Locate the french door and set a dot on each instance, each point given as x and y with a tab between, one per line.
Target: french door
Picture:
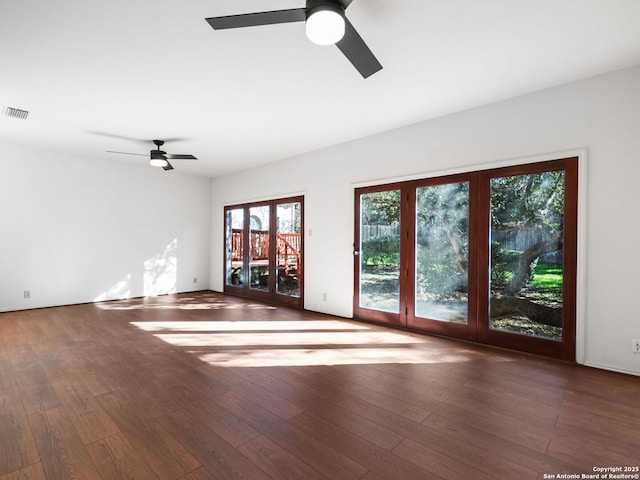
264	250
486	256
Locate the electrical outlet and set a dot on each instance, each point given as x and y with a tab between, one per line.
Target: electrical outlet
324	297
195	279
27	293
635	346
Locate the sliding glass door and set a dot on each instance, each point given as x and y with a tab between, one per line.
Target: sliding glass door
259	251
530	236
289	248
487	256
234	247
264	250
443	263
378	255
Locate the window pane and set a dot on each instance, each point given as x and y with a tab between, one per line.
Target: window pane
259	247
526	280
234	246
442	252
380	251
289	230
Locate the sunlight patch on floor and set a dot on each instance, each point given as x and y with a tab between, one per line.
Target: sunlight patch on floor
299	343
282	338
253	326
327	356
157	304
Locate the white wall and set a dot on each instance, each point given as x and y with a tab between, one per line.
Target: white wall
75	230
601	115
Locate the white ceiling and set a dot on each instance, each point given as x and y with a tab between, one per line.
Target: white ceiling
148	69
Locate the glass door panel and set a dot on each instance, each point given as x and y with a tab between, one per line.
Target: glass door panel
289	248
487	256
526	250
442	252
259	248
379	251
264	250
234	247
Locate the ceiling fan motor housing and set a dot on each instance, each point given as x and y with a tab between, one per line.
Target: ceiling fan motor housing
315	5
158	154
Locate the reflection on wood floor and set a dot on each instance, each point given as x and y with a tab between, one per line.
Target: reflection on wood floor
206	386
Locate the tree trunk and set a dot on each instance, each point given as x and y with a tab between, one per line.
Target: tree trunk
535	312
523	271
461	257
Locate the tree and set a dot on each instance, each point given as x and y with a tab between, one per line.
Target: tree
442	238
530	203
381	208
534	203
380	217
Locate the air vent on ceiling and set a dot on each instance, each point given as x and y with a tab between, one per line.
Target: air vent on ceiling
16	113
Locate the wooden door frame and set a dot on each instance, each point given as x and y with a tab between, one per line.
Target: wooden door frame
378	316
566	348
477	328
438	327
271	295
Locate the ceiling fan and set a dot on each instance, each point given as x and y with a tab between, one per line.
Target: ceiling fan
326	24
160	158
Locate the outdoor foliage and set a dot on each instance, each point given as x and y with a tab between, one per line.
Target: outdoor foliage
442	229
526	224
530	204
531	201
547	278
381	252
381	208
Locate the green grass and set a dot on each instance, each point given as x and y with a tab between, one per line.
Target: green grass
547	277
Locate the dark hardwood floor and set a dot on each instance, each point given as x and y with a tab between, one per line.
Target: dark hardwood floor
204	386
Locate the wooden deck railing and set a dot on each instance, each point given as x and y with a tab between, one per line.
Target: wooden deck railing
288	247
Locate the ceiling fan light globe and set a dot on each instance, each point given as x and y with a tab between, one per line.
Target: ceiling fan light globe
325	27
157	158
158	162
